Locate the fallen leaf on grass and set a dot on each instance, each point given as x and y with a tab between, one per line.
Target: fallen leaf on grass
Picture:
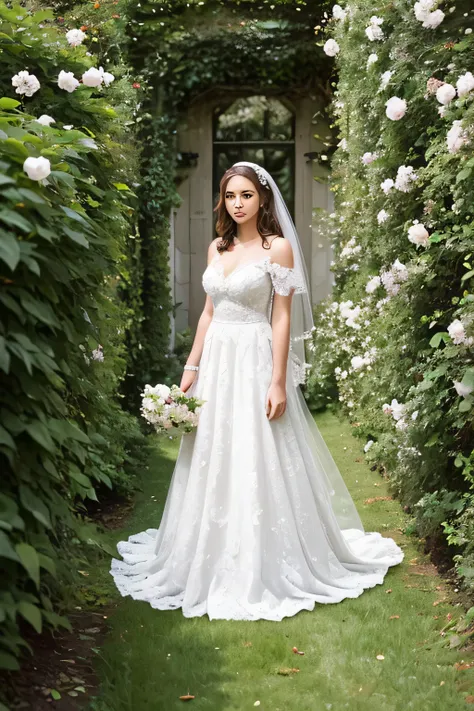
461	666
380	657
286	671
389	590
247	644
296	650
394	617
378	498
469	699
186	697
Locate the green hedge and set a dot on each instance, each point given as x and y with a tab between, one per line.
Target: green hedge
395	340
63	246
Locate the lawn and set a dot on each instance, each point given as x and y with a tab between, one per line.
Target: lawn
150	658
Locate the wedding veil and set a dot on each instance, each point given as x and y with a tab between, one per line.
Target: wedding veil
302	323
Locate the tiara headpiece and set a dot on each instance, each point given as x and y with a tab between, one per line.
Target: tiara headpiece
261	177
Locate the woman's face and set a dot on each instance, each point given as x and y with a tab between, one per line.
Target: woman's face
242	200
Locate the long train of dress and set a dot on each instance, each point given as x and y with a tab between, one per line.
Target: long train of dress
258	522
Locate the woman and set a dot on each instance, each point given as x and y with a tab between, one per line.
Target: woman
258	523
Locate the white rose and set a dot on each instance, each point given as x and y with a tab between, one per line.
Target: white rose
465	84
368	158
162	391
331	48
25	83
445	93
382	216
456	137
387	185
45	120
372	59
434	19
338	13
422	9
462	389
457	332
418	234
67	81
37	168
357	362
107	76
93	77
396	108
373	284
385	78
398	409
75	37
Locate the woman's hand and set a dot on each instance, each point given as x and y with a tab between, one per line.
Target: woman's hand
187	379
275	404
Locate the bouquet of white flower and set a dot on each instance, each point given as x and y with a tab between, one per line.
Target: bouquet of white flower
170	410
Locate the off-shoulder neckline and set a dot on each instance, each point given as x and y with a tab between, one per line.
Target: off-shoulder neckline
217	259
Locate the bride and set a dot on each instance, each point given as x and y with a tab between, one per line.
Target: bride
258	522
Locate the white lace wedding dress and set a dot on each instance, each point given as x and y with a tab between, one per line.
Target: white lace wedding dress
258	523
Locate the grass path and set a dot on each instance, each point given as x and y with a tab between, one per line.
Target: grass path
152	657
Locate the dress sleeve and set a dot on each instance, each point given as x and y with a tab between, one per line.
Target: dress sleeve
286	279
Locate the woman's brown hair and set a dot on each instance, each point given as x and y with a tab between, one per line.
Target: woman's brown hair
267	223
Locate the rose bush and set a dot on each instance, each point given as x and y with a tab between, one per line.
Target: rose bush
394	341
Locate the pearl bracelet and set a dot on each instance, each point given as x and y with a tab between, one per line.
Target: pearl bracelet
191	367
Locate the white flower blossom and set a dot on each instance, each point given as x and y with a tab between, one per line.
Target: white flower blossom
384	79
368	445
395	108
418	234
45	120
457	333
462	389
423	8
25	83
338	13
37	168
374	31
67	81
107	77
372	59
373	284
457	137
75	37
93	77
405	176
445	93
434	19
368	158
382	216
387	185
331	48
465	84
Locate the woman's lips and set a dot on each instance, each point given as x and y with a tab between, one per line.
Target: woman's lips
240	214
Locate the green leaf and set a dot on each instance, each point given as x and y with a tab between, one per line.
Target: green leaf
55	694
438	337
465	405
78	476
31	613
39	432
463	174
121	186
7	103
4	356
468	378
48	564
10	217
8	661
34	505
77	237
6	548
467	275
30	561
9	250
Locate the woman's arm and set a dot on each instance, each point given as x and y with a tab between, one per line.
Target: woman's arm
194	356
282	254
